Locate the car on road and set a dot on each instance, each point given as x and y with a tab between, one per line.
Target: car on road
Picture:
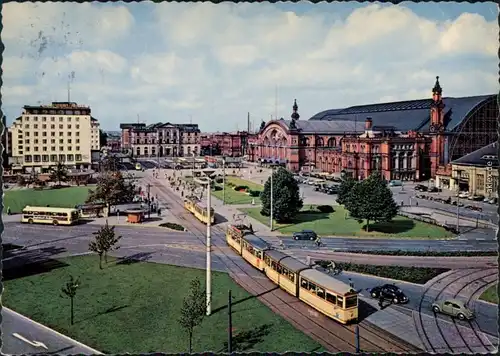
305	235
389	292
421	188
454	308
435	190
395	183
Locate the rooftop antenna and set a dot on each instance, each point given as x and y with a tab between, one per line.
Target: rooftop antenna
190	119
248	122
138	118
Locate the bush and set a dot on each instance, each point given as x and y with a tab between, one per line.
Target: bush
254	193
230	184
325	208
241	187
426	253
217	188
419	275
173	226
219	180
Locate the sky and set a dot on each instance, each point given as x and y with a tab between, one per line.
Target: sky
212	64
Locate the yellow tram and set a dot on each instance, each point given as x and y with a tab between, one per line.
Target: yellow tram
199	210
321	291
246	244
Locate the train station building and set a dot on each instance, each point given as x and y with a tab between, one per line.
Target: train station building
407	140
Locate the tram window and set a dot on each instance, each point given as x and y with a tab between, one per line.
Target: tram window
284	271
351	302
267	260
331	298
312	287
340	301
304	283
250	248
320	292
273	265
292	277
280	269
258	254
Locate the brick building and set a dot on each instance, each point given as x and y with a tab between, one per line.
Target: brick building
406	140
230	144
164	140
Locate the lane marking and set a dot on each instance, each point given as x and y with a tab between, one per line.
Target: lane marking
32	343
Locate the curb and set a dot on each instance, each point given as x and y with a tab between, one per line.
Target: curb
146	226
387	279
46	328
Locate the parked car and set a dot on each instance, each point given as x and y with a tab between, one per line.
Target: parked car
493	201
305	235
454	308
389	292
463	195
395	183
420	188
477	197
434	190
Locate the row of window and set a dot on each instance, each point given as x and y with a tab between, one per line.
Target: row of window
53	158
253	251
52	148
29	214
280	269
44	126
52	118
52	140
481	182
52	134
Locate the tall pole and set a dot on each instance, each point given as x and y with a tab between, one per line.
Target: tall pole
357	338
149	201
458	201
209	257
229	324
223	180
271	219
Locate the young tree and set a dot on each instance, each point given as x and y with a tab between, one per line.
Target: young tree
59	173
193	310
345	188
69	290
112	189
105	240
371	200
286	196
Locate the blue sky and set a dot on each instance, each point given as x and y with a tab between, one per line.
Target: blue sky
214	63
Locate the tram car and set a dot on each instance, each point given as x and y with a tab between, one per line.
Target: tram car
322	292
246	244
199	210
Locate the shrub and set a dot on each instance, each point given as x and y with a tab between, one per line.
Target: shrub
254	193
173	226
418	275
219	180
425	253
241	187
217	188
230	184
325	208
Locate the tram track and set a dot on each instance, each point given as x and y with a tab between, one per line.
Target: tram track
297	313
442	343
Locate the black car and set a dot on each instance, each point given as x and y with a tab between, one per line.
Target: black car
305	235
435	190
420	188
389	292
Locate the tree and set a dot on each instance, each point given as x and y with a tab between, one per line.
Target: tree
110	163
193	310
105	240
103	138
286	196
371	200
69	290
345	188
59	173
112	189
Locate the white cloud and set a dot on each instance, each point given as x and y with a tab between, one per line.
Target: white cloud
168	61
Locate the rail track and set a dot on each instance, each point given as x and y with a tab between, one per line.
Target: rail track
333	336
438	339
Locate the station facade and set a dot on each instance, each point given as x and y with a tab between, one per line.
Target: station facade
409	140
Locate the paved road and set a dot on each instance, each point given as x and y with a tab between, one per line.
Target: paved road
53	342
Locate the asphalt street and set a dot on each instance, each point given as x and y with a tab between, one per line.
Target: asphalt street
21	335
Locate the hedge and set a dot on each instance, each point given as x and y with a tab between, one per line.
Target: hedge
418	275
254	193
325	208
219	180
217	188
425	253
173	226
241	187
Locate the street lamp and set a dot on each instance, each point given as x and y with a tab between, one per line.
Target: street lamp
458	175
271	225
223	180
208	172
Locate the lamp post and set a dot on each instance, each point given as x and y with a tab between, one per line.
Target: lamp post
207	181
457	181
271	214
223	180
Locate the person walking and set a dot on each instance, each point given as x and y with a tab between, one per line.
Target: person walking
381	302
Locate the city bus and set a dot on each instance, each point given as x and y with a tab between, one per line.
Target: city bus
49	215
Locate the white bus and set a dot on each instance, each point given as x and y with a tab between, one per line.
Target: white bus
49	215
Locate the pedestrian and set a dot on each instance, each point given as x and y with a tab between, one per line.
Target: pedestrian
416	202
159	212
8	210
250	227
381	302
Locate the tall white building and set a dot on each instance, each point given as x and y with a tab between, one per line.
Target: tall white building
47	134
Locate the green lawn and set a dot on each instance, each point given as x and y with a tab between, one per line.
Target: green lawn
336	224
135	308
490	294
63	198
234	197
